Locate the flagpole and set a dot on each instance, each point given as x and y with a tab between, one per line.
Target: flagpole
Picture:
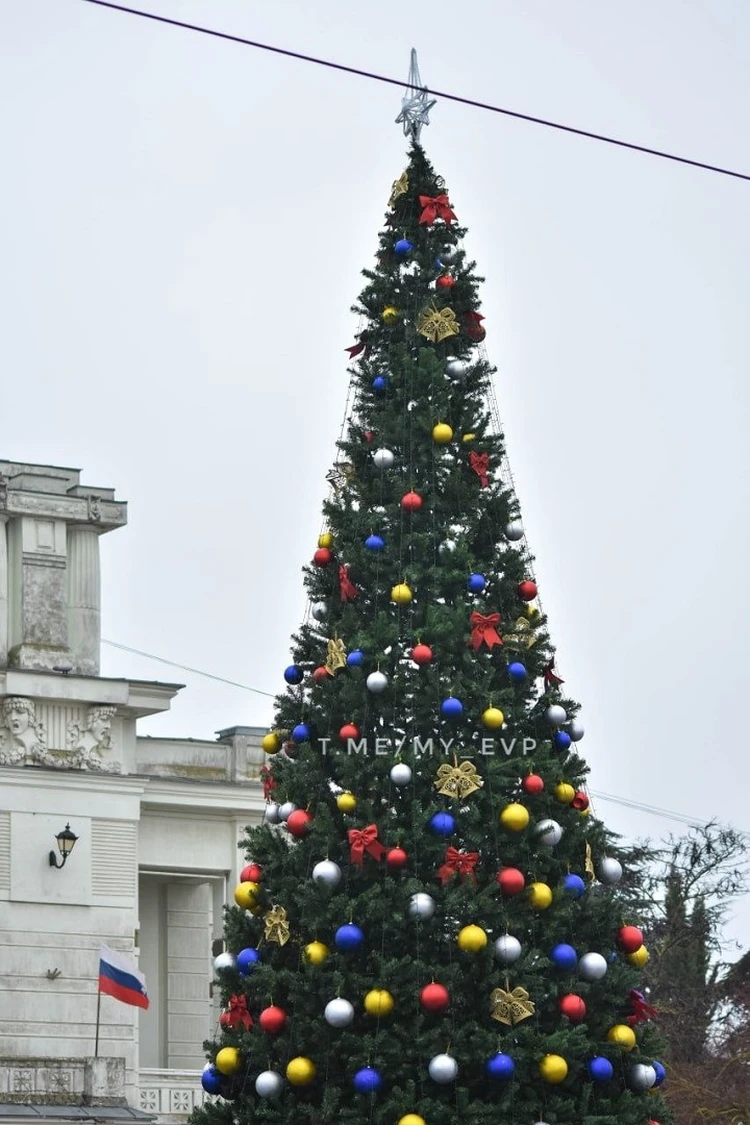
98	1012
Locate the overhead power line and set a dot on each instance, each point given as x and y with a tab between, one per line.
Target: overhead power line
559	126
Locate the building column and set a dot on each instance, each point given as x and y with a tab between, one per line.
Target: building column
4	585
84	599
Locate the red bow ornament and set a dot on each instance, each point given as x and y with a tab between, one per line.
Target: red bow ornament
362	345
435	207
363	840
269	784
641	1011
473	327
484	630
237	1014
458	863
480	463
347	588
551	678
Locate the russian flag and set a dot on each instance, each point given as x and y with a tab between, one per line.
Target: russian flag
119	977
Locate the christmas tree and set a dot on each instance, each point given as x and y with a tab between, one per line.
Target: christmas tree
428	927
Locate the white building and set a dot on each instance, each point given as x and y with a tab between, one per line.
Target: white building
157	824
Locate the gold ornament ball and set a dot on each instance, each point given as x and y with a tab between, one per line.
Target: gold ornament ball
300	1071
346	802
316	953
493	718
228	1060
585	812
411	1119
390	315
257	908
553	1069
401	594
564	792
245	895
378	1002
639	957
442	433
472	939
622	1036
468	438
325	540
271	742
514	817
531	613
540	896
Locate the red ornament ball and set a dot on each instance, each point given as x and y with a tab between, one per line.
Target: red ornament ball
299	822
272	1019
252	873
527	591
445	281
573	1007
421	654
510	881
396	858
320	675
322	556
411	502
348	731
580	801
629	938
532	784
434	997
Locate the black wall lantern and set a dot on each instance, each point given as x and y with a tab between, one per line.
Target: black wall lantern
65	843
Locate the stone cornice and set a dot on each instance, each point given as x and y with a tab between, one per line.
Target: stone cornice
132	697
41	778
169	795
90	509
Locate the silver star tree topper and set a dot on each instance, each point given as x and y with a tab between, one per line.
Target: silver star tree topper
416	104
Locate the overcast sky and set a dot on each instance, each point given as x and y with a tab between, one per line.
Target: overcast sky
184	222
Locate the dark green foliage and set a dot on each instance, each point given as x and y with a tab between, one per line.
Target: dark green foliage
399	954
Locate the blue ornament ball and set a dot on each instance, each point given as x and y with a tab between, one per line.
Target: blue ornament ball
403	248
574	886
601	1069
563	956
211	1079
442	824
356	658
661	1073
300	733
561	740
348	937
500	1067
476	583
379	385
293	674
517	672
374	543
367	1080
451	708
246	960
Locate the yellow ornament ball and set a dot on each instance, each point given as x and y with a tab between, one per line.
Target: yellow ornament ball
257	908
472	939
246	895
390	315
346	802
531	613
300	1071
316	953
325	540
401	594
639	957
540	896
378	1002
228	1060
622	1036
442	433
493	718
553	1069
468	438
271	743
411	1119
514	817
564	792
585	812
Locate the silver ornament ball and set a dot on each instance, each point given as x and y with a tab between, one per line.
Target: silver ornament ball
507	949
224	963
576	730
457	369
549	833
383	458
338	1012
641	1077
555	715
269	1084
271	813
448	254
446	548
443	1069
421	906
609	871
514	531
327	873
401	774
286	810
319	610
377	682
592	966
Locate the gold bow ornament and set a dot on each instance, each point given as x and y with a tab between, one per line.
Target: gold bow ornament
521	636
277	925
399	187
458	780
437	324
510	1007
336	656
